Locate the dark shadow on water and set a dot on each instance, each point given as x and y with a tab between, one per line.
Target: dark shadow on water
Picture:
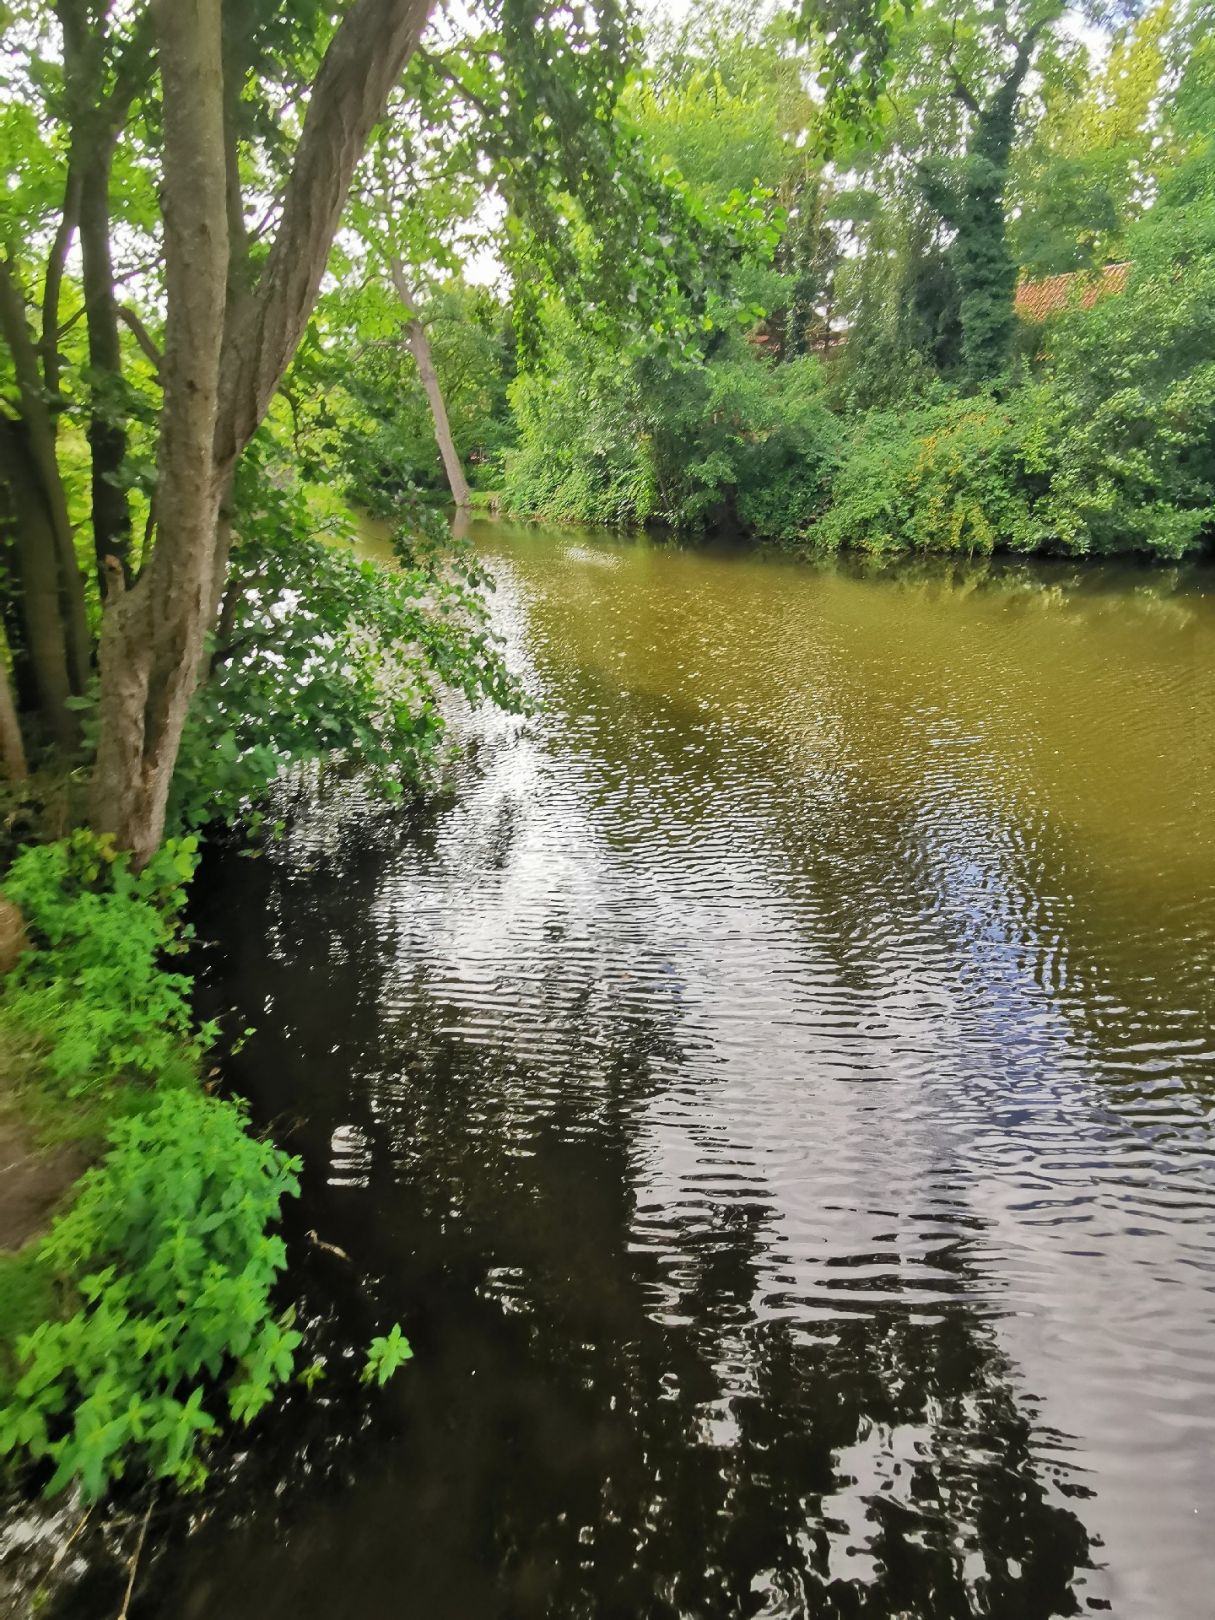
574	1437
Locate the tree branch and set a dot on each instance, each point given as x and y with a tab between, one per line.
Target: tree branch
366	57
143	337
53	281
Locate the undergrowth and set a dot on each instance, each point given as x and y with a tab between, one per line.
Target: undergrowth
144	1319
167	1256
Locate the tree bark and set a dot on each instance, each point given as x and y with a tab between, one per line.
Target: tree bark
152	634
38	586
12	748
223	362
39	445
419	344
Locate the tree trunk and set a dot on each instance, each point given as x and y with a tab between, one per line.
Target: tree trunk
366	57
419	345
12	749
222	365
53	283
977	210
40	446
152	634
95	118
107	419
38	582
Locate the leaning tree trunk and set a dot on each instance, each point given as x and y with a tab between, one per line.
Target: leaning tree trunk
419	344
224	359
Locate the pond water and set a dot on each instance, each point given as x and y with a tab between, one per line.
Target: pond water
774	1095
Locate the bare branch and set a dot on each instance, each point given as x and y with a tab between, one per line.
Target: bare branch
143	337
53	281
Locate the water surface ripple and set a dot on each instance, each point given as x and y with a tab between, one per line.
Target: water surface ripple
775	1096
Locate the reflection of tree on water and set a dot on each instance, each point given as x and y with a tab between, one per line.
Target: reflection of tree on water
577	1437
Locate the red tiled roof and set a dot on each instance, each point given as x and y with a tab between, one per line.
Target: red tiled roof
1035	300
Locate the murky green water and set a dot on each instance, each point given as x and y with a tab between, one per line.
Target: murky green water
776	1098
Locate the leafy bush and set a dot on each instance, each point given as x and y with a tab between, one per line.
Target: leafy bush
686	440
956	476
581	456
1131	398
321	655
168	1251
94	993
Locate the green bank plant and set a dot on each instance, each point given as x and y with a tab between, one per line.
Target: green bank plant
325	657
144	1320
168	1256
94	995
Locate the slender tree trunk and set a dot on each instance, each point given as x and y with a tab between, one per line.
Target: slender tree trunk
95	118
38	580
107	415
40	447
53	282
12	749
419	344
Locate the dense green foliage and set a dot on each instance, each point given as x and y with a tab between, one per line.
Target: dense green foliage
94	994
146	1312
987	146
323	656
356	407
167	1250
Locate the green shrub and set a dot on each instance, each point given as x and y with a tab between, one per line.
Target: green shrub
167	1249
1132	397
582	455
685	440
94	993
955	476
322	655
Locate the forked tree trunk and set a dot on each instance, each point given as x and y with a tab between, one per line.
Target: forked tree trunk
419	344
977	211
152	635
223	362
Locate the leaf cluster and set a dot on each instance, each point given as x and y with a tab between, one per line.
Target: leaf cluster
334	658
94	993
168	1252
